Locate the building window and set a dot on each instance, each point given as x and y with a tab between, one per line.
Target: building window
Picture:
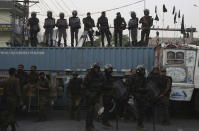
175	58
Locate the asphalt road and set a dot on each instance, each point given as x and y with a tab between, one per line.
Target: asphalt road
58	121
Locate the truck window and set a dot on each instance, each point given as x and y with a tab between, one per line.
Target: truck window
175	58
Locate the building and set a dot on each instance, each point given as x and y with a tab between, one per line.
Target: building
7	22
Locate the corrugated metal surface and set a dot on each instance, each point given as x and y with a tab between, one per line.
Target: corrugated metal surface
76	58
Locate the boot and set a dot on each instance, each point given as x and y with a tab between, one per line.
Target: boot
106	125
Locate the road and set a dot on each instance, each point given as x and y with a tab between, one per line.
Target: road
57	121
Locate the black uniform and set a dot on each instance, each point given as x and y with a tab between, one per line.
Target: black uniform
62	26
74	94
147	22
93	82
103	26
88	26
49	25
107	95
34	29
75	25
119	26
133	28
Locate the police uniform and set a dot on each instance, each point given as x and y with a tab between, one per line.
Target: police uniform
103	26
34	29
133	28
49	25
74	93
147	22
75	25
119	26
93	82
62	26
43	95
88	26
13	97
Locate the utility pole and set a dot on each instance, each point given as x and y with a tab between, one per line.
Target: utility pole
13	14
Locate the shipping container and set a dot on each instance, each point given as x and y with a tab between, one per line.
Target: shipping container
60	59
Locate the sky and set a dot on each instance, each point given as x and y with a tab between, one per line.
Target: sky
83	6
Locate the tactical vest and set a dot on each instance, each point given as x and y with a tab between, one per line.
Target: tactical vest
75	22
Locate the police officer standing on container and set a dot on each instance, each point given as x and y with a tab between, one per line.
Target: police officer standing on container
133	28
103	26
49	25
33	22
88	26
93	83
119	26
147	22
75	25
62	26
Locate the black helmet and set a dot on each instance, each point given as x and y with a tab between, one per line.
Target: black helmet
133	14
49	13
33	14
75	73
74	13
96	65
146	12
61	15
140	69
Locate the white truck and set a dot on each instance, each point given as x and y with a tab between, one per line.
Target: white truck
182	64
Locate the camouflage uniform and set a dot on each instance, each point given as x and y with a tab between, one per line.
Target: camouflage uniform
74	97
12	95
43	95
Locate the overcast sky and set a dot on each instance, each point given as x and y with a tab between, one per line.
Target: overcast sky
82	6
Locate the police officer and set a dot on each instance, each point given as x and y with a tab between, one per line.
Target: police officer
33	22
42	95
75	25
165	90
62	26
103	26
119	26
49	25
33	76
93	83
147	22
138	90
133	28
107	94
12	94
88	26
74	93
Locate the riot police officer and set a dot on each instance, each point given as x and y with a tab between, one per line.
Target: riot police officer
93	83
33	22
138	90
62	26
165	90
133	28
88	26
107	94
147	22
103	26
75	25
49	25
119	26
74	93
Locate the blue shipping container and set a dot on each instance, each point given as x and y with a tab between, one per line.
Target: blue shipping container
59	59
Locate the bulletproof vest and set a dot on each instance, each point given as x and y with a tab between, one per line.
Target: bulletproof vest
34	24
119	23
22	76
74	22
49	23
88	23
62	23
108	82
103	21
33	77
75	86
148	22
44	84
95	81
133	23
